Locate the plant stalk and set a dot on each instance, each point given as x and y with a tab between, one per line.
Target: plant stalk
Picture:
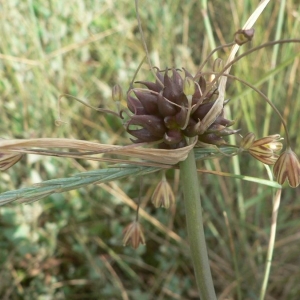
271	245
194	220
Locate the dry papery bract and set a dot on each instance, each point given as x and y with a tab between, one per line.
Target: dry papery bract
92	150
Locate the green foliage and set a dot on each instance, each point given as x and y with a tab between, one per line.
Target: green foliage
69	246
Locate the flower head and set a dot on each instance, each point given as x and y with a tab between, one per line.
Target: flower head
287	167
133	235
172	108
163	194
263	149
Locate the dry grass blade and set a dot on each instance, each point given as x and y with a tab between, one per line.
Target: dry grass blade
167	157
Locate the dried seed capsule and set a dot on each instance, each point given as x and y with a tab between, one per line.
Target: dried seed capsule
133	234
287	167
163	195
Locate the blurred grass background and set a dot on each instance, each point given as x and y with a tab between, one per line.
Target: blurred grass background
69	246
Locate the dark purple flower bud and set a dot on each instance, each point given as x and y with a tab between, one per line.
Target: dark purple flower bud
173	136
142	135
202	83
153	124
202	110
169	91
187	73
181	116
211	138
222	121
221	130
192	128
135	106
177	81
153	86
148	100
197	96
200	89
170	122
172	90
226	131
181	144
165	108
159	76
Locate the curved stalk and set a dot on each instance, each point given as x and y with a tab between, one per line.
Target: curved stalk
193	211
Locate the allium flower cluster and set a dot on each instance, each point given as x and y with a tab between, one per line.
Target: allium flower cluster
171	109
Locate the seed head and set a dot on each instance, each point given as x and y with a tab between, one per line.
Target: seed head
163	194
166	114
287	167
133	235
263	149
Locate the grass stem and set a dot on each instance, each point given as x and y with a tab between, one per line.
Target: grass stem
193	210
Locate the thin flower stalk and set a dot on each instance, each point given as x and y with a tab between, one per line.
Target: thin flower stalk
276	204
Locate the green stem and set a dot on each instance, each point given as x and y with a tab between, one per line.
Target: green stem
193	210
271	245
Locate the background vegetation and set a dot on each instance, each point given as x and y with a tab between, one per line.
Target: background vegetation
69	246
